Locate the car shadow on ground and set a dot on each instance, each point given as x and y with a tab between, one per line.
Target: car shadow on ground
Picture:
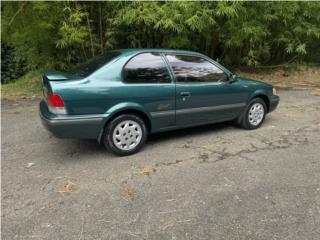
90	146
189	132
201	130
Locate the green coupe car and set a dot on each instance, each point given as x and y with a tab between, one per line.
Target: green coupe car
121	97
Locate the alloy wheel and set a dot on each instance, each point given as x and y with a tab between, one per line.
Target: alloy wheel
127	135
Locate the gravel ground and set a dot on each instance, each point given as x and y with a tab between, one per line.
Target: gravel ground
211	182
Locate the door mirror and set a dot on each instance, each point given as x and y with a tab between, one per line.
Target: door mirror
232	78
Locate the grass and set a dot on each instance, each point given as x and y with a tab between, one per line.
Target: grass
27	86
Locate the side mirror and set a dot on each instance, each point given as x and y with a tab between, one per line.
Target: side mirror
232	78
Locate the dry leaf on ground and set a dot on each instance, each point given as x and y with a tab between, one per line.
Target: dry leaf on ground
171	200
30	164
104	221
135	234
129	192
60	177
147	170
68	187
228	182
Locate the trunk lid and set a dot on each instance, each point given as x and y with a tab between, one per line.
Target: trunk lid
51	78
60	76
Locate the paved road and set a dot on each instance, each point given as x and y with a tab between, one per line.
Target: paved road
212	182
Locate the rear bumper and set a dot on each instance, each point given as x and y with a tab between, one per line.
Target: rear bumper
72	126
274	101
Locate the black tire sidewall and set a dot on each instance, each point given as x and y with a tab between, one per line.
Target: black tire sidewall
246	122
107	136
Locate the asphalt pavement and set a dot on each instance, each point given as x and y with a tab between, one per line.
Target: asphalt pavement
209	182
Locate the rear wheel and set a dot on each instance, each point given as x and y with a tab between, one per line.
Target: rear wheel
125	134
254	114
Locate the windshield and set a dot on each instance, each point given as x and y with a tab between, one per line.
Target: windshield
87	68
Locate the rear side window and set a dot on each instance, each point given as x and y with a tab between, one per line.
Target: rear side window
85	69
193	69
146	68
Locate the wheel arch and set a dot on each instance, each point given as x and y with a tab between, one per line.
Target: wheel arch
133	110
263	96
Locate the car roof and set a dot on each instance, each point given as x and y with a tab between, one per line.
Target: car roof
140	50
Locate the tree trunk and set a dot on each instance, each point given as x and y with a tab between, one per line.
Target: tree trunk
90	33
101	27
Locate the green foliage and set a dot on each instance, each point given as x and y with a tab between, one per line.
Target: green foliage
73	34
31	28
61	34
11	66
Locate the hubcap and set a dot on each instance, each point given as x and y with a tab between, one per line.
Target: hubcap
256	114
127	135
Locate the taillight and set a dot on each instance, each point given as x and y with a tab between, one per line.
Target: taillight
55	100
55	104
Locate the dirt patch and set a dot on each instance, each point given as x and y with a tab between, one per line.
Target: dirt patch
290	77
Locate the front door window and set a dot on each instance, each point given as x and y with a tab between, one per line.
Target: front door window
193	69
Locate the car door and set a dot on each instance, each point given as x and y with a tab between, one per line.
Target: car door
203	92
147	82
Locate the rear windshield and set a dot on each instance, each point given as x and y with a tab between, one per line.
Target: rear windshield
87	68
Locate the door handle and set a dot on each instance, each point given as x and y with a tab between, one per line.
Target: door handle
185	94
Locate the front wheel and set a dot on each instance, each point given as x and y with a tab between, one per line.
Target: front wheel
125	135
254	114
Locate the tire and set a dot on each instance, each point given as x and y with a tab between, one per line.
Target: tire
125	135
253	115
